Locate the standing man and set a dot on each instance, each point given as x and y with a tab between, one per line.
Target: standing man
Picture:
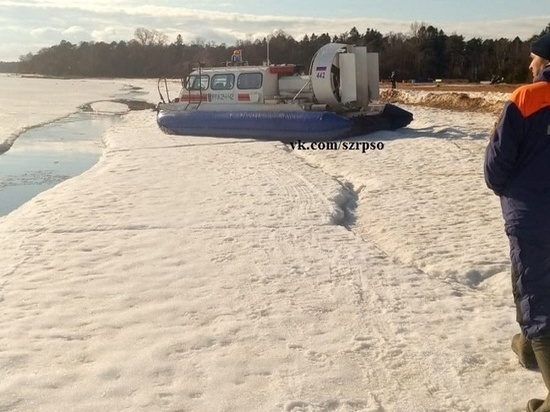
517	169
393	80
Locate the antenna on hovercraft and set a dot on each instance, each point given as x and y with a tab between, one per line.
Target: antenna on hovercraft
267	46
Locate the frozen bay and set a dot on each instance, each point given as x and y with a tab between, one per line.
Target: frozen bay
184	273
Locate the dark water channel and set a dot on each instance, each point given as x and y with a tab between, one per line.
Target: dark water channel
44	156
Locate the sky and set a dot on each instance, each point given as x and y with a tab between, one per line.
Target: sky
26	26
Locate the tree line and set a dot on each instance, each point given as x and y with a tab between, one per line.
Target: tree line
424	54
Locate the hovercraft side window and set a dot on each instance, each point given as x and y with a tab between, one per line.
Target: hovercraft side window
249	81
197	84
222	81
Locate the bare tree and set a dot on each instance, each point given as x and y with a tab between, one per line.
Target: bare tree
148	37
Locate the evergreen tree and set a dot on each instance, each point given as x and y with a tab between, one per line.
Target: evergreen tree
426	52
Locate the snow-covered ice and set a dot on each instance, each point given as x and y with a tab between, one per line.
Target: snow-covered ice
30	102
200	274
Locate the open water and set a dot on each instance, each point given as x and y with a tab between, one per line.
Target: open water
44	156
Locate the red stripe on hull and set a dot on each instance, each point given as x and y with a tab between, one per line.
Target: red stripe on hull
193	98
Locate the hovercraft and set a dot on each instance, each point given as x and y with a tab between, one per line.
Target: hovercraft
337	100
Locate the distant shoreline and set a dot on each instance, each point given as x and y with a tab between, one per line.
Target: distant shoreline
455	87
452	86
